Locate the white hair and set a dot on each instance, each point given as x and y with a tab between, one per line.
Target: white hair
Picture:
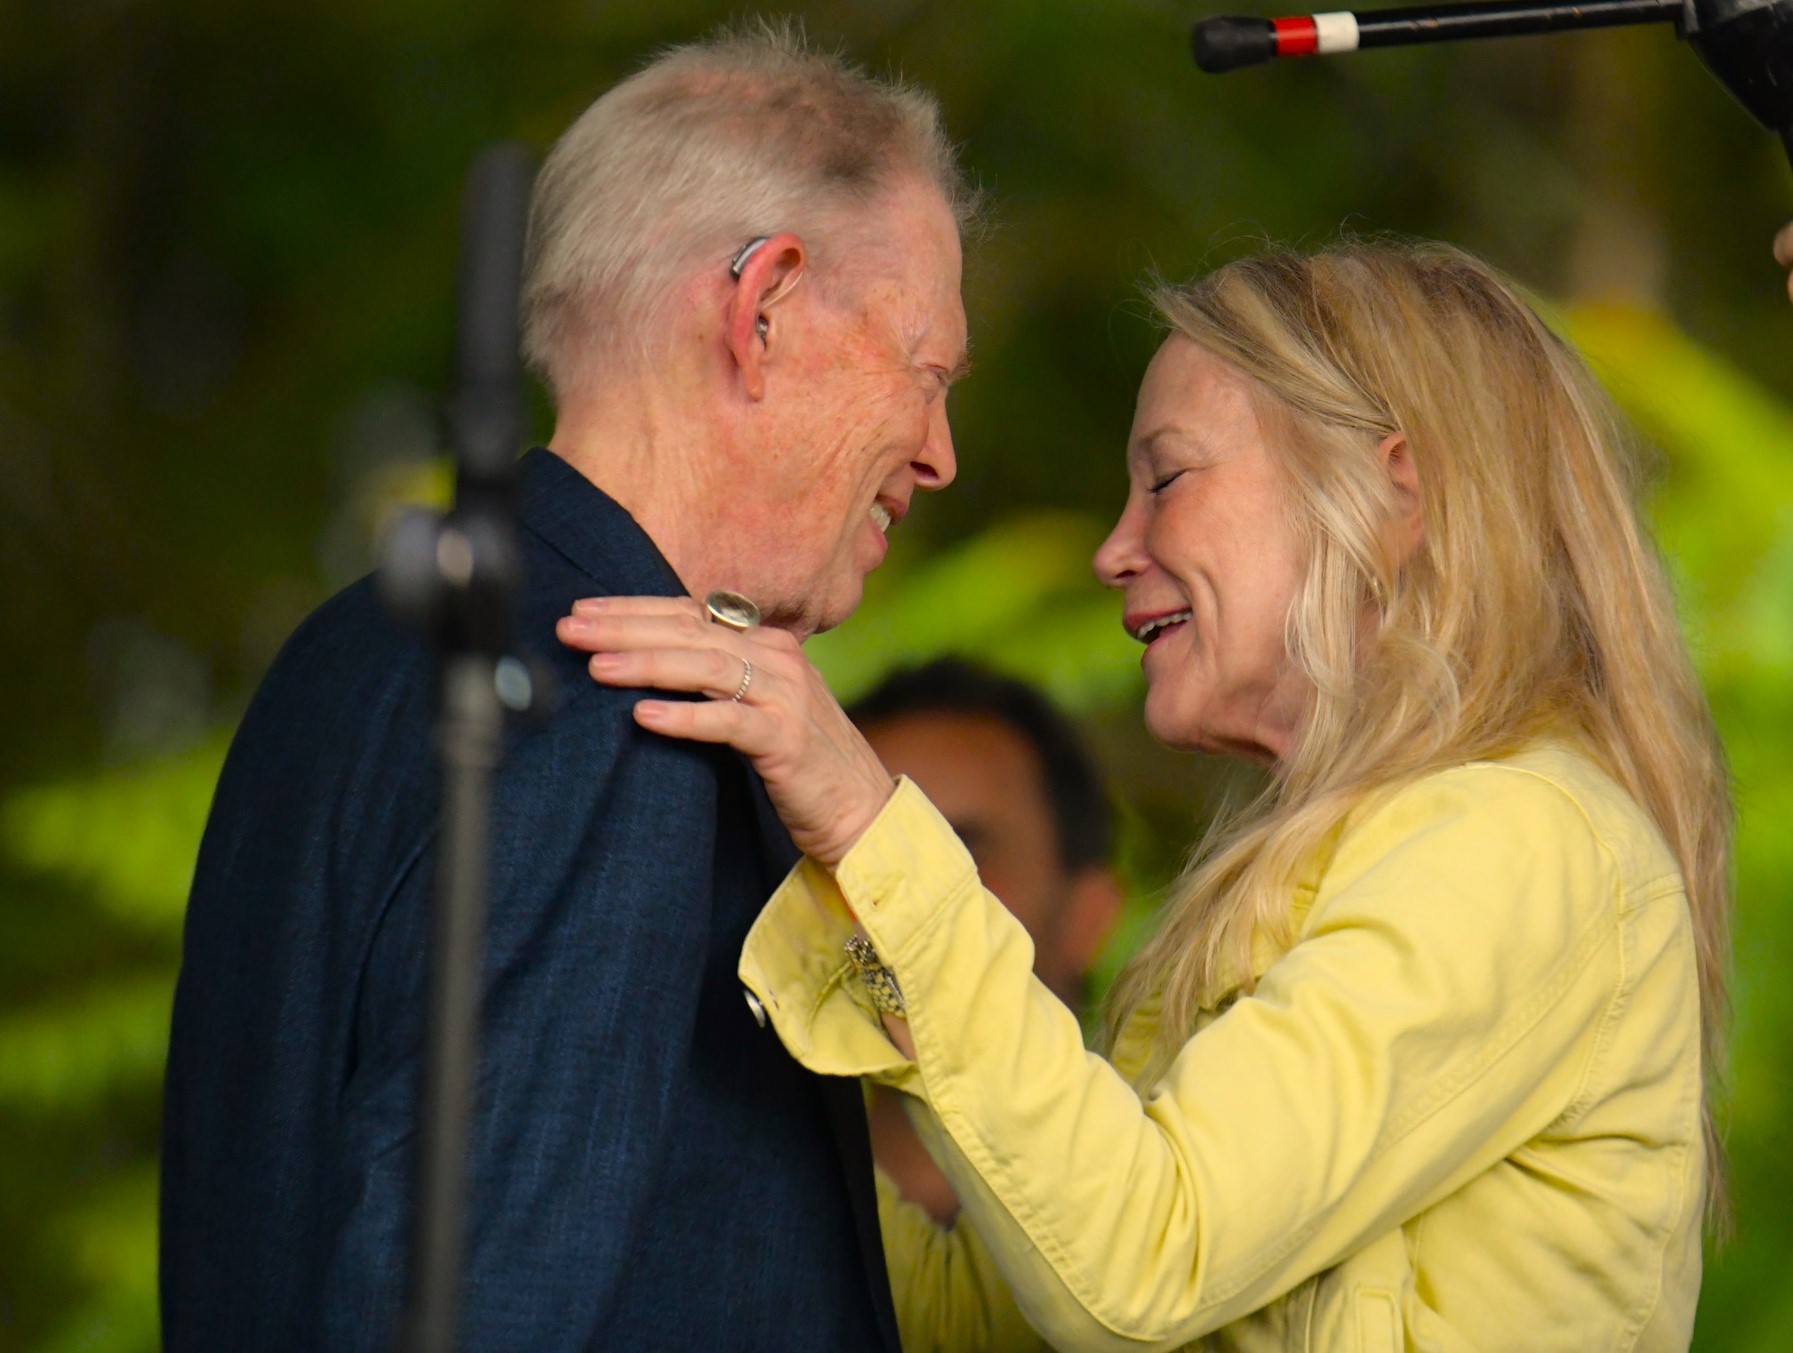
747	132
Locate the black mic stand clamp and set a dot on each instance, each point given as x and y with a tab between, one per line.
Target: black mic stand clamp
1748	47
456	580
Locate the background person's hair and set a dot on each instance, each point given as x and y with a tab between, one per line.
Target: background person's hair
1534	605
1082	812
746	132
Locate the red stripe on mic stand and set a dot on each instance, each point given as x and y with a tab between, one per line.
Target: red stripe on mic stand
1296	37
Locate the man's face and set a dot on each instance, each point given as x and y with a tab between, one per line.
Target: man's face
986	780
855	416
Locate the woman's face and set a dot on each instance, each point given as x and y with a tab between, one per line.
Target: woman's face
1208	561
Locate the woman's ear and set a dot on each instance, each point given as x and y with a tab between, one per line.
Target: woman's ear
762	276
1403	477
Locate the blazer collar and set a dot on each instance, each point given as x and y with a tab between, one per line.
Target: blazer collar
595	532
600	538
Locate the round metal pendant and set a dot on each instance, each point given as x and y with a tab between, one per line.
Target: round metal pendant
732	609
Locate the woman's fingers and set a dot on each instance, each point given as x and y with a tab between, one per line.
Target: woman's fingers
622	631
714	672
633	606
696	721
761	696
1783	253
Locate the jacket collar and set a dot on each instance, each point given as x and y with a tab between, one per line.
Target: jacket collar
590	528
598	536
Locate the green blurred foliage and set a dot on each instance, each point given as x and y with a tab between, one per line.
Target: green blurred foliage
226	245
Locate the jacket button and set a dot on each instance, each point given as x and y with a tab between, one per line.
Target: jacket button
759	1011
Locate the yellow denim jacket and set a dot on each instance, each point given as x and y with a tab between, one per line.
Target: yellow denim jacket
1461	1112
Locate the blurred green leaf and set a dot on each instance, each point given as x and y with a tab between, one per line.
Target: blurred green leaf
1019	596
125	840
72	1054
109	1240
1728	443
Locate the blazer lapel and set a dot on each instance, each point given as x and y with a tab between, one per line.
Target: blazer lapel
846	1109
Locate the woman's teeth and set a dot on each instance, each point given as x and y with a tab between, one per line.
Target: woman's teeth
1151	629
881	517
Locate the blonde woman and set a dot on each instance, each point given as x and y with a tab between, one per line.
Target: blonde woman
1418	1058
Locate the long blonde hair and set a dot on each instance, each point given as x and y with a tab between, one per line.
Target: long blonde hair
1535	603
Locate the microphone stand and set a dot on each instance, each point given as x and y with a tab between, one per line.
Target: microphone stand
1747	45
456	580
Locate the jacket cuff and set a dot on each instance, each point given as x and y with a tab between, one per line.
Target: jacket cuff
899	879
904	874
794	960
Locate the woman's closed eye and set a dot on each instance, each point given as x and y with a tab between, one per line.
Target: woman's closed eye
1163	482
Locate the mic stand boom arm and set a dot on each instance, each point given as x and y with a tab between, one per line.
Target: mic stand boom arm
1746	44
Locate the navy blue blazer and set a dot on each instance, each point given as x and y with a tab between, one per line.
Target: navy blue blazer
651	1170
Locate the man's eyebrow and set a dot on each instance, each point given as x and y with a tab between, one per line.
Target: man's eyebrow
961	368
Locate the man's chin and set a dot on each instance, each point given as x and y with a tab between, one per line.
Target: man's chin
836	605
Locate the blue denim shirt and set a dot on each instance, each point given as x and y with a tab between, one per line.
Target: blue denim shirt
650	1169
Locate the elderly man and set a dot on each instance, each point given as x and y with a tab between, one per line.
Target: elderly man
743	292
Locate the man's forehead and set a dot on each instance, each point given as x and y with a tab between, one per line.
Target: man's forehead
944	324
908	254
933	328
945	319
917	231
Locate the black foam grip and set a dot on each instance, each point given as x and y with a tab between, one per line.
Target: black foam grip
1227	44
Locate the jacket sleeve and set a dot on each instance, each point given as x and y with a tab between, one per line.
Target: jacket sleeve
1440	1009
602	840
950	1296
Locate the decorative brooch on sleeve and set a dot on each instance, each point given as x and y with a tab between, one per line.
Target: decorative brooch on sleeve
880	981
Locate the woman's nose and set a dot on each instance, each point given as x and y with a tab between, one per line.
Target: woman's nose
1122	555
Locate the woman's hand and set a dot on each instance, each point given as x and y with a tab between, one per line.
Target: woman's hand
1783	254
823	778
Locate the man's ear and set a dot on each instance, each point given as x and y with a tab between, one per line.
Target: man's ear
765	276
1403	477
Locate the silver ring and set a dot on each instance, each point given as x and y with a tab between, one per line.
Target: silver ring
731	610
746	681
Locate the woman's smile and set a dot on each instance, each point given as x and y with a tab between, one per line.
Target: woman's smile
1209	556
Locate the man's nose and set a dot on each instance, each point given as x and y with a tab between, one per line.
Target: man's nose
935	465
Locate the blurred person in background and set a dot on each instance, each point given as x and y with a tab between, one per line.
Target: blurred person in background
1420	1055
1008	770
743	293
